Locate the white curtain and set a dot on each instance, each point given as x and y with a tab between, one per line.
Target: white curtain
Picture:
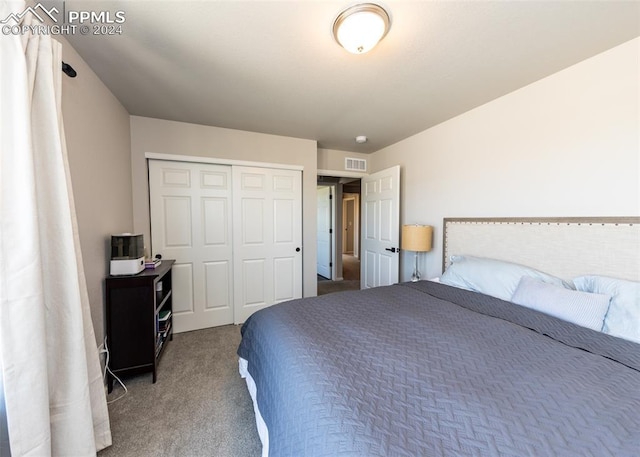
53	389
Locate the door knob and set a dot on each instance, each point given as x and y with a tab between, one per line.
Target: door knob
390	249
297	249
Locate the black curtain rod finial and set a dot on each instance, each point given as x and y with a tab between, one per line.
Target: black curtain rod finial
68	70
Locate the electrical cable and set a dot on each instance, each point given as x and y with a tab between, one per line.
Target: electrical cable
107	369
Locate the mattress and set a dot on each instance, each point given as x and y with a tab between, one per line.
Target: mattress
427	369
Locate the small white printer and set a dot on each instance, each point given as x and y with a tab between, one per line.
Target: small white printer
127	254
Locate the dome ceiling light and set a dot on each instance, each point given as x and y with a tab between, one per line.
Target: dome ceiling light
360	27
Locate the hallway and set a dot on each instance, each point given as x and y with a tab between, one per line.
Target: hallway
350	275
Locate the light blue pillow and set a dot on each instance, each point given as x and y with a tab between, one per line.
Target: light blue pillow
623	318
581	308
490	276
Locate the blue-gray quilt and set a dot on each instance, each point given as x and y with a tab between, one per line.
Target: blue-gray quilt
424	369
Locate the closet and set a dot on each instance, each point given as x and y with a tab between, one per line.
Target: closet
235	233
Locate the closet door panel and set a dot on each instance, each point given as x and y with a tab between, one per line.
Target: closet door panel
268	255
191	222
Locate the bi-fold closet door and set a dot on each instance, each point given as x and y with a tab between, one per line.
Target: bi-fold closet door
235	233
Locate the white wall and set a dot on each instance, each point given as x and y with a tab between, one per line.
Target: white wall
98	144
567	145
170	137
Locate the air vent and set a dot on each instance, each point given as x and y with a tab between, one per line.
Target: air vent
355	164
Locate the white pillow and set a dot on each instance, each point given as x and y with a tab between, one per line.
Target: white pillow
490	276
581	308
623	318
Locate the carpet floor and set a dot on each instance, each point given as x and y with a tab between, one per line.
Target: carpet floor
350	275
199	405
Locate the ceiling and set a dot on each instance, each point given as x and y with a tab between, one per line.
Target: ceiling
274	67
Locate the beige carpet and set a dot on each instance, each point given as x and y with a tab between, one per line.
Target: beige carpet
199	405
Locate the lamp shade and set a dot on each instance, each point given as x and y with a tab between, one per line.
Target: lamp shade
417	237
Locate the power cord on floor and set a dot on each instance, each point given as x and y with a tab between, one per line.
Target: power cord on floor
105	350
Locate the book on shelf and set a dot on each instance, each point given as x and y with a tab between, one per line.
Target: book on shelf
163	323
164	332
164	326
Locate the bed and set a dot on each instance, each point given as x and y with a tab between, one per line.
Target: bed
435	369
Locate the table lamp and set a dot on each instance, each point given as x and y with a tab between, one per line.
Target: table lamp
416	238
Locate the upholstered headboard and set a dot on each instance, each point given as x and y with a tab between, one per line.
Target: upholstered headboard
565	247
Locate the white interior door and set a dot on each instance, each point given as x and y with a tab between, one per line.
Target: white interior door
191	222
268	238
380	206
349	226
324	231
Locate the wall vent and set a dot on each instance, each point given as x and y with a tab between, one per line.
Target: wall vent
355	164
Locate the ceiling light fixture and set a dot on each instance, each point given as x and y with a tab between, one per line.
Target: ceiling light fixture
360	27
361	139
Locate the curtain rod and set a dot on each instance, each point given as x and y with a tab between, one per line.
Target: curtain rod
68	70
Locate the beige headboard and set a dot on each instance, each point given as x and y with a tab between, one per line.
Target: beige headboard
565	247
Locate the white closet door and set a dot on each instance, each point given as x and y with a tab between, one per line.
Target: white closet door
267	220
191	222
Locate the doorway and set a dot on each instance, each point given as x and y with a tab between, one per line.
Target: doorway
345	231
351	224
